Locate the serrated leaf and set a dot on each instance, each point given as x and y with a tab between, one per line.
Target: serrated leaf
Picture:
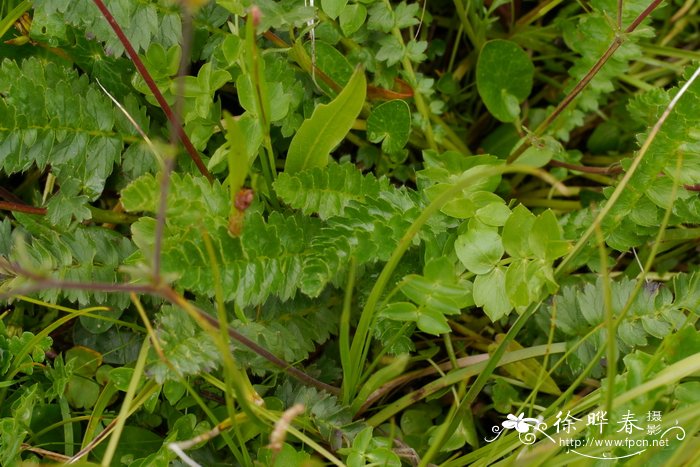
328	191
143	24
50	114
277	256
504	75
189	349
327	127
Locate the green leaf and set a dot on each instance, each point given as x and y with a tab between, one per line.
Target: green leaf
536	156
352	18
479	250
495	214
491	294
63	208
51	115
391	50
390	123
381	18
333	7
328	191
190	349
331	62
504	75
143	23
432	322
327	127
545	239
515	238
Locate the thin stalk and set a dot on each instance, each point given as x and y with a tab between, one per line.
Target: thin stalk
618	40
168	165
233	376
458	375
172	117
126	404
344	333
417	97
627	177
361	340
611	341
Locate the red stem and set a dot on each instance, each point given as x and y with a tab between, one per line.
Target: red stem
10	206
174	120
616	43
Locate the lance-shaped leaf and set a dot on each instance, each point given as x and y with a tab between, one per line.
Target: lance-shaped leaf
327	127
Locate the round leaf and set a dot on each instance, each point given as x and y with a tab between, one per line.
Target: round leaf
479	250
352	18
390	123
333	7
504	76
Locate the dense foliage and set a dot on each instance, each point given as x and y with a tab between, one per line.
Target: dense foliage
360	232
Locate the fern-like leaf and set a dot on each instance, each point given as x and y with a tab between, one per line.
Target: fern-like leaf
50	116
590	35
81	254
274	257
327	192
655	312
643	203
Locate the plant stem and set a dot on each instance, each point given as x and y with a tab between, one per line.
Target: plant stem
361	340
174	120
618	40
628	176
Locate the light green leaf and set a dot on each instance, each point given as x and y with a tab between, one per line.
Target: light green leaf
517	282
494	214
333	8
390	123
515	229
504	76
327	127
479	250
331	62
352	18
545	239
401	311
536	156
490	294
432	322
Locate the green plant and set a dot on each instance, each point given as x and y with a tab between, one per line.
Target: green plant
356	233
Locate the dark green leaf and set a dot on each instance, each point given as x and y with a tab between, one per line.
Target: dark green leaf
504	76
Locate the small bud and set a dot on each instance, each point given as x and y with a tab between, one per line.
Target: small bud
255	14
20	40
244	198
